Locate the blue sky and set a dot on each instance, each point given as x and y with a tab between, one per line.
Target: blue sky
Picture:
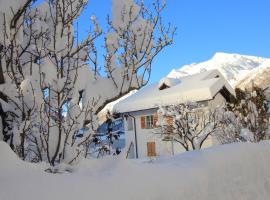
203	28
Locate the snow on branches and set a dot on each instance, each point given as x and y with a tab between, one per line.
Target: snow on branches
250	107
51	89
246	119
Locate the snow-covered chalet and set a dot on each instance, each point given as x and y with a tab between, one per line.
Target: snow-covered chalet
140	109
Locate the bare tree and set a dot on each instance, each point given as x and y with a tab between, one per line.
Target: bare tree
51	79
189	124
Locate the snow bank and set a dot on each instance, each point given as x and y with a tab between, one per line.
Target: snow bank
8	159
237	171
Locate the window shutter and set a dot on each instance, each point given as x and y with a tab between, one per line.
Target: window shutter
155	119
143	122
169	128
169	121
151	149
154	149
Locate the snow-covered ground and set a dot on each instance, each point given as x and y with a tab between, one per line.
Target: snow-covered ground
237	171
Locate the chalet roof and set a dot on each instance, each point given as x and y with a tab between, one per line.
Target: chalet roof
198	87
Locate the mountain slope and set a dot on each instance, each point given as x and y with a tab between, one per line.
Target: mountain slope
259	76
239	70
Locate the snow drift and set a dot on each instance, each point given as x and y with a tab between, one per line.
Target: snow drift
236	171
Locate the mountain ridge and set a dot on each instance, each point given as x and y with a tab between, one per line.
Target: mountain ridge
239	70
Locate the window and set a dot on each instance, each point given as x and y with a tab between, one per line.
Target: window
149	121
129	124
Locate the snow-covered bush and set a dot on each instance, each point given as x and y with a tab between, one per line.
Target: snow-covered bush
50	81
250	108
246	119
229	126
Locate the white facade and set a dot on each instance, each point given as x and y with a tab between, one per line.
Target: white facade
144	136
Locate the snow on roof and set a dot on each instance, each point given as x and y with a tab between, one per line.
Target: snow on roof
198	87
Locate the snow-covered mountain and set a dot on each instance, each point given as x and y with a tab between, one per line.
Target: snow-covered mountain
239	70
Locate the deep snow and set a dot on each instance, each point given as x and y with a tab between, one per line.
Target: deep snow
236	171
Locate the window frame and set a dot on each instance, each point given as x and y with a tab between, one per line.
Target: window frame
148	121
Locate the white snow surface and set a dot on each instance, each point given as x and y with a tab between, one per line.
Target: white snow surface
235	171
198	87
234	67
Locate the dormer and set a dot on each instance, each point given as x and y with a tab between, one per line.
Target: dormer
166	83
163	87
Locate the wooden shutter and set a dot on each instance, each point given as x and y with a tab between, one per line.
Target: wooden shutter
142	122
151	149
154	149
169	127
169	121
155	119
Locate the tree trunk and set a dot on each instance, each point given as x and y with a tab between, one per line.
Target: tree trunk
3	117
2	80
